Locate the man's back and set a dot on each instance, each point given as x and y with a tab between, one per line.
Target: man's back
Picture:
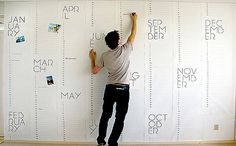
117	63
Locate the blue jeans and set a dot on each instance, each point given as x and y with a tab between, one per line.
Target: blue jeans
113	93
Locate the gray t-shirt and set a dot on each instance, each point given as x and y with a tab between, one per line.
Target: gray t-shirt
117	63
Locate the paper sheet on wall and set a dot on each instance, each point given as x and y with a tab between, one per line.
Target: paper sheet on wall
181	71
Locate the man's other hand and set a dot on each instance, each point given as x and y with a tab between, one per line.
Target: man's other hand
92	54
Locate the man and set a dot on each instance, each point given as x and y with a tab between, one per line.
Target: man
116	60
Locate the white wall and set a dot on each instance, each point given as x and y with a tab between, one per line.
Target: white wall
1	7
185	108
234	67
1	103
1	97
68	117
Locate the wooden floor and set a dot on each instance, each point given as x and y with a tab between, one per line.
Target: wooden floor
9	144
27	144
2	143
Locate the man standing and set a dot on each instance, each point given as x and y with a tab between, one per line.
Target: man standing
116	60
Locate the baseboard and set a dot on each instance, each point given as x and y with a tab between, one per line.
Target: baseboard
186	142
139	143
1	139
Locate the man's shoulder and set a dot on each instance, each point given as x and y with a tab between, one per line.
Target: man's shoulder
127	46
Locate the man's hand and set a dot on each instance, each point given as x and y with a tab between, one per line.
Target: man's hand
92	54
95	69
133	16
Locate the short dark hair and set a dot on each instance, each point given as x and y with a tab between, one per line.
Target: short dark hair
112	39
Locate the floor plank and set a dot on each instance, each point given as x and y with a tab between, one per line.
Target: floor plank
28	144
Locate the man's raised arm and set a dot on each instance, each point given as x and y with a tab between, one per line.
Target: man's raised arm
133	29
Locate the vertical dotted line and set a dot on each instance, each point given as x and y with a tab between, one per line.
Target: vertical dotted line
91	76
207	66
63	121
10	76
121	22
178	116
173	70
92	18
150	75
36	27
179	37
202	83
207	83
92	95
150	7
63	80
63	55
36	107
179	60
207	9
144	87
92	88
35	77
150	63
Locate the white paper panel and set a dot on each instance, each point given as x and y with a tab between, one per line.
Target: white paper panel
181	72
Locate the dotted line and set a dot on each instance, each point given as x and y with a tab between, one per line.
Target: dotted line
91	76
178	116
63	81
36	108
63	121
150	7
207	83
10	76
179	37
92	85
92	18
63	55
179	59
92	95
144	83
35	79
207	67
121	22
150	76
207	9
36	27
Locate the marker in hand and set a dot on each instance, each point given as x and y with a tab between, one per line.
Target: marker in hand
131	13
